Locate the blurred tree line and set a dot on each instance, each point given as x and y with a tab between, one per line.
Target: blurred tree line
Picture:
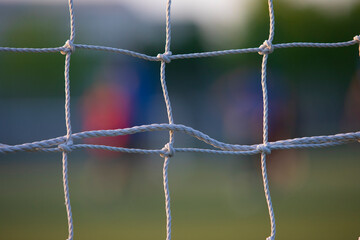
41	75
25	75
296	24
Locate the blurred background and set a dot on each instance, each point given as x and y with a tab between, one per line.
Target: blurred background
120	196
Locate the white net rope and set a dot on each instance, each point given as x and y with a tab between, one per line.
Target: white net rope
65	144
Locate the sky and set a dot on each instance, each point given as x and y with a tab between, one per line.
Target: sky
204	12
217	19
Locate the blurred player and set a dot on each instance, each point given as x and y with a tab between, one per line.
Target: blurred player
239	102
117	99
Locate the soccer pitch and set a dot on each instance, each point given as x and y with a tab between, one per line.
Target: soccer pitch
212	197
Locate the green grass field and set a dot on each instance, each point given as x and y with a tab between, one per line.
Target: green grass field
213	197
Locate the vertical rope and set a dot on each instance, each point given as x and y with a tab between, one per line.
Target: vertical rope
268	45
167	198
171	121
72	20
68	143
265	142
272	21
66	148
167	157
357	39
67	96
168	27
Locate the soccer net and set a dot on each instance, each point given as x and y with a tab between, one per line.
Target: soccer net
67	143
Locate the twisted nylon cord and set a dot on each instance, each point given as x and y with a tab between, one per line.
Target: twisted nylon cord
265	120
69	140
264	152
68	143
170	118
223	148
171	57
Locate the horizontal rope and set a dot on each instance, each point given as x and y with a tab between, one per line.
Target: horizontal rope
51	145
179	56
32	50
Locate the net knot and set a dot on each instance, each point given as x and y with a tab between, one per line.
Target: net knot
266	48
263	148
66	146
69	45
357	39
165	57
168	151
